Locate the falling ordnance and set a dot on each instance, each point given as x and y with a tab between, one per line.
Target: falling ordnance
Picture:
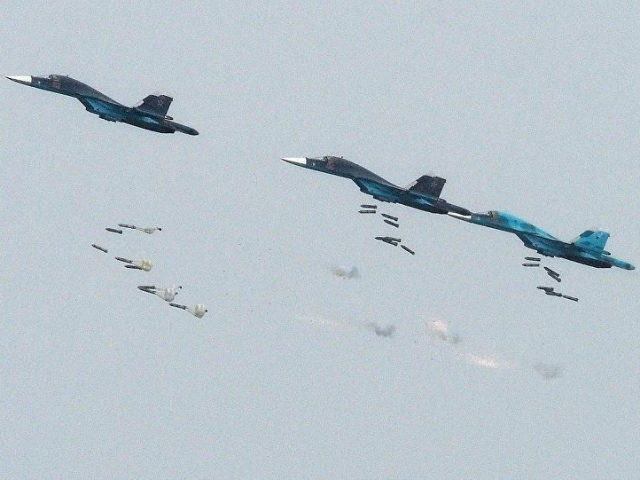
143	264
102	249
390	217
554	294
198	310
557	279
551	272
546	289
165	293
113	230
530	264
575	299
366	211
149	230
364	205
532	259
391	223
389	240
408	250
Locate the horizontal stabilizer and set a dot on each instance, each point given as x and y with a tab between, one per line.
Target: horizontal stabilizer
592	240
156	104
428	185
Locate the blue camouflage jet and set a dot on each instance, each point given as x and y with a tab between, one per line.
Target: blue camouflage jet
587	248
150	114
423	194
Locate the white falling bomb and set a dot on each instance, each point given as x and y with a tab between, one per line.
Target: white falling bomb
148	230
143	264
197	310
168	294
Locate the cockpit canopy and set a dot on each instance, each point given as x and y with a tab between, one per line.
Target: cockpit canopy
493	214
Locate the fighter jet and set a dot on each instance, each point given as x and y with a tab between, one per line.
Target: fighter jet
423	194
150	113
587	248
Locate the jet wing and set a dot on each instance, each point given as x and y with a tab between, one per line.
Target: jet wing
383	191
155	104
549	246
106	110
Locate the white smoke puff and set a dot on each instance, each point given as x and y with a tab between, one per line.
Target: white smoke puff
387	331
440	328
345	272
548	371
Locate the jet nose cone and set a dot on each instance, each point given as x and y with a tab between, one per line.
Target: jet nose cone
25	79
302	161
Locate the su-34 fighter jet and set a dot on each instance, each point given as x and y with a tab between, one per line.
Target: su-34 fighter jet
587	248
150	114
423	194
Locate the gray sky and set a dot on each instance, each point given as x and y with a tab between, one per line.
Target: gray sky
532	108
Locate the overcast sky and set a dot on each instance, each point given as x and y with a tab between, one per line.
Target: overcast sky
532	108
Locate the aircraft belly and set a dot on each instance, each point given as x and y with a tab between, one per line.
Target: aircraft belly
379	192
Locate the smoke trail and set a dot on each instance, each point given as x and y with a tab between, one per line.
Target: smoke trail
486	362
322	321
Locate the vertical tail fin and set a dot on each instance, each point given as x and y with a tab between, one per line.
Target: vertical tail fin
428	185
593	240
156	104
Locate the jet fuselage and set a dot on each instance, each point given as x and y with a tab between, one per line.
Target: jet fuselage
376	186
106	108
546	244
